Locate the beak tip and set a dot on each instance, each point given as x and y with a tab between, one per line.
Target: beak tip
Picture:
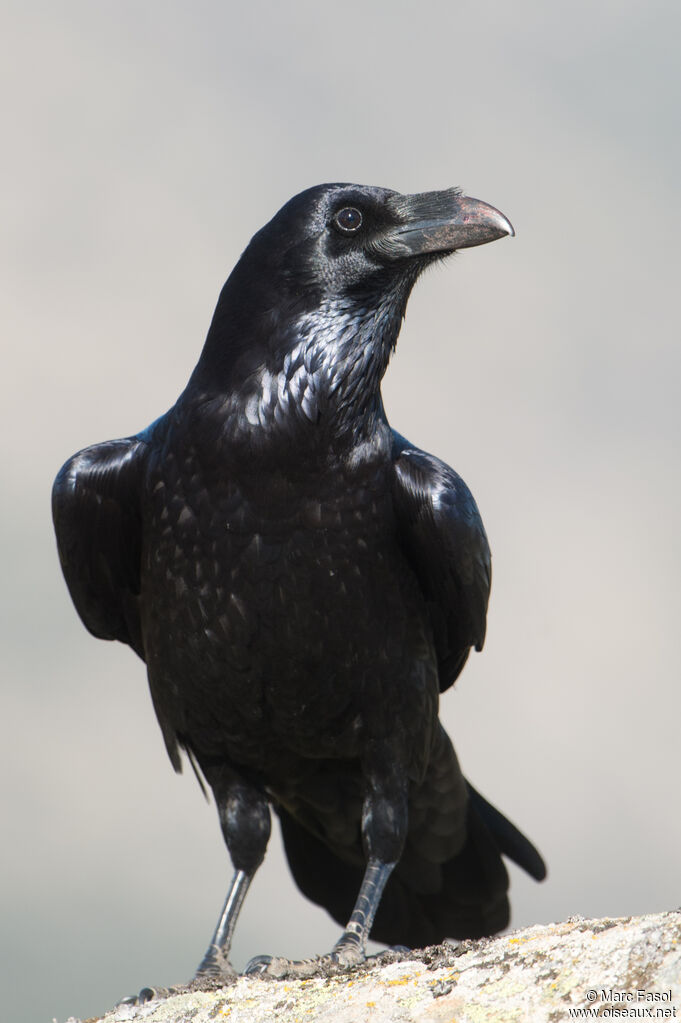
504	224
482	223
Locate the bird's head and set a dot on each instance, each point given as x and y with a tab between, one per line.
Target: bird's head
343	240
325	283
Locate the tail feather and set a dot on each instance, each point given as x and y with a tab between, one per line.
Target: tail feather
511	842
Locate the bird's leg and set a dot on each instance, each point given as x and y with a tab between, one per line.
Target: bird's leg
245	820
216	959
384	829
350	948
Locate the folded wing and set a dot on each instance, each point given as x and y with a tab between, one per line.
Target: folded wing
444	540
96	509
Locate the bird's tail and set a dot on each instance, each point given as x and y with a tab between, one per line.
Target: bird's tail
451	881
511	842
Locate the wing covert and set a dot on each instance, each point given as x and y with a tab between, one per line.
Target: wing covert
444	539
97	519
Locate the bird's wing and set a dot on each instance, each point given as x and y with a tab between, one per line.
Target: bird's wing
97	519
444	541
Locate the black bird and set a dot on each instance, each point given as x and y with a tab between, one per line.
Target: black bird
302	582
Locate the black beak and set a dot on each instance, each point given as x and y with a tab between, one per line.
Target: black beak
440	222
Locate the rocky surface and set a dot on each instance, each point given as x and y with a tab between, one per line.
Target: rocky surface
580	969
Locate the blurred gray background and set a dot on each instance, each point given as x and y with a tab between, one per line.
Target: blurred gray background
143	144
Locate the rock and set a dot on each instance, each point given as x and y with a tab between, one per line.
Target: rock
580	969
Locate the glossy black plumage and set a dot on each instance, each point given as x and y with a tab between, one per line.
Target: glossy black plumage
301	581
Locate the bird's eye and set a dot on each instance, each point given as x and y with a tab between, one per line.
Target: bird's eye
348	220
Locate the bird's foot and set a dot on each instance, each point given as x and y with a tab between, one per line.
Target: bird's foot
215	971
215	965
277	968
346	953
148	994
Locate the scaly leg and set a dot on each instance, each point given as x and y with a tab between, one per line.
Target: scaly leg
245	821
216	960
350	949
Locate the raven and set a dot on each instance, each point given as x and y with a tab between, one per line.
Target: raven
302	582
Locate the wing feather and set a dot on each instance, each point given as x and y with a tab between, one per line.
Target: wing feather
444	540
97	518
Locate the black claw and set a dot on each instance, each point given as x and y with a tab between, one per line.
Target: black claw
257	966
147	994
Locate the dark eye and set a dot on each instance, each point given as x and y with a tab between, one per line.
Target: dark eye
348	220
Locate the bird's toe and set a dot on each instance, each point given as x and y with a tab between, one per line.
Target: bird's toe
271	967
147	994
342	957
257	966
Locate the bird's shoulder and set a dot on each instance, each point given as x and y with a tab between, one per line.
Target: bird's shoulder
445	542
427	484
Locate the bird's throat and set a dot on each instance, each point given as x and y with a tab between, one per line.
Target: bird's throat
319	383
